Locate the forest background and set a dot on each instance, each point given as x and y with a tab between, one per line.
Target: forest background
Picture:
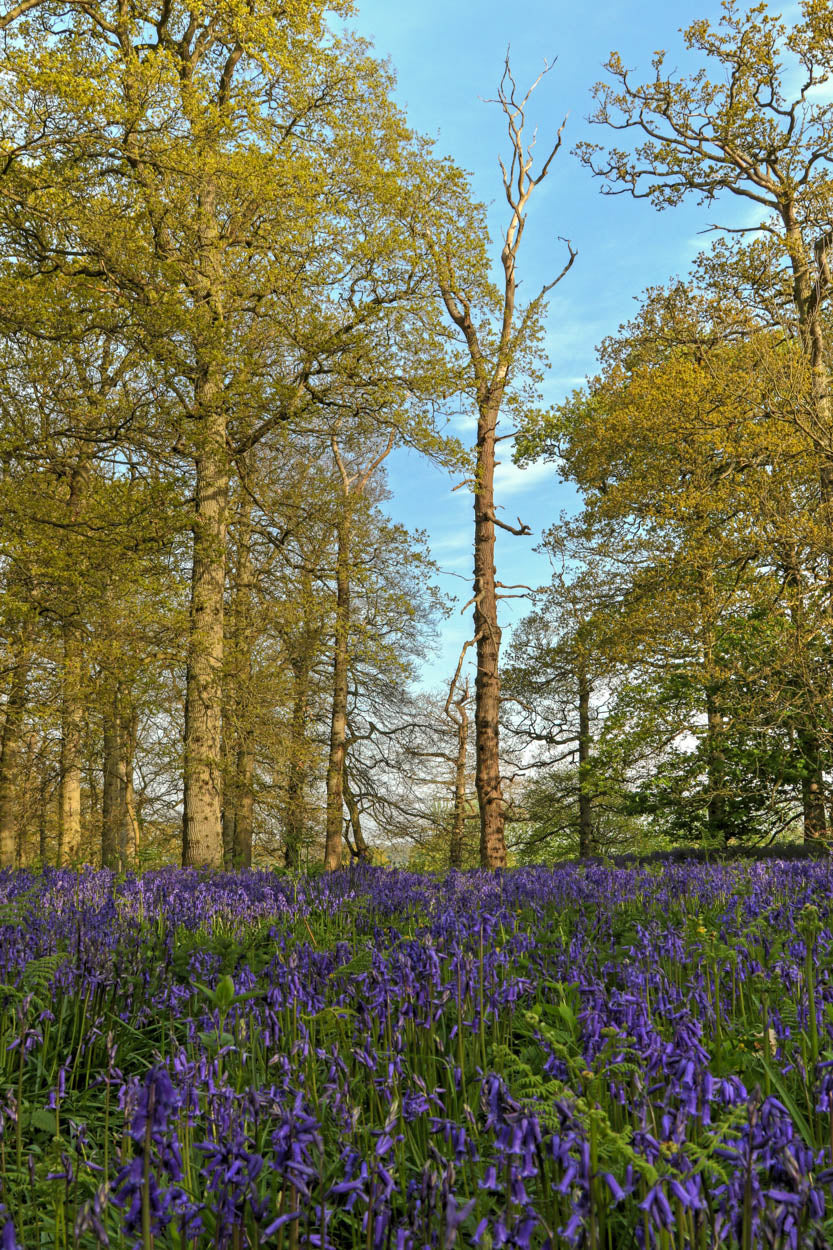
236	286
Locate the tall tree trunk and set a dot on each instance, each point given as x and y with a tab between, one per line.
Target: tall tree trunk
202	841
244	814
72	710
10	749
585	801
27	826
129	831
43	816
295	810
69	785
243	630
488	635
111	814
458	819
229	804
338	718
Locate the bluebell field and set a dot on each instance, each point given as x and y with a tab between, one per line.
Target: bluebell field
376	1060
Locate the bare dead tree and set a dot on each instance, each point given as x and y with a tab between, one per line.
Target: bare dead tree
493	364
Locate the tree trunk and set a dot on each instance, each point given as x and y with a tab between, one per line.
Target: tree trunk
295	811
229	806
585	805
487	633
243	641
111	814
72	711
27	826
43	815
129	830
202	841
338	719
10	748
244	813
69	786
458	820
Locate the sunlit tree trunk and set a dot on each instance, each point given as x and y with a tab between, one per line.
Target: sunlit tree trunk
69	785
112	794
338	716
487	634
353	486
295	810
72	709
10	749
229	799
43	817
129	831
202	843
243	665
244	815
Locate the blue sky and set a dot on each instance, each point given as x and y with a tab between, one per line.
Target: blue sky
449	57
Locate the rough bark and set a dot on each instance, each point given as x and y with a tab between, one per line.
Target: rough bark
244	812
585	798
112	794
202	841
243	642
28	838
229	807
69	785
72	710
488	637
338	716
43	817
295	810
10	750
129	831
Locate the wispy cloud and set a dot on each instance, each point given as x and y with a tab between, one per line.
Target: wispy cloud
510	480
